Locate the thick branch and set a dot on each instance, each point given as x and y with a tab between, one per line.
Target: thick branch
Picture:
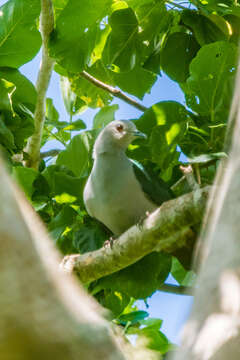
166	229
115	92
44	75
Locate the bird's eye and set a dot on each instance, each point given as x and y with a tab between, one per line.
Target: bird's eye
119	127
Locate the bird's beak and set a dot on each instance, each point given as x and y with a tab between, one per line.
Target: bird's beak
138	133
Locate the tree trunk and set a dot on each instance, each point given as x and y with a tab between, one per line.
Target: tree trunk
213	329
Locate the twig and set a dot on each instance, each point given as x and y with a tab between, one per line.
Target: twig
188	173
167	228
175	289
176	5
49	153
44	75
115	92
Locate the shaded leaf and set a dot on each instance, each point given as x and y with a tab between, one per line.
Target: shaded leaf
25	178
177	67
63	219
140	279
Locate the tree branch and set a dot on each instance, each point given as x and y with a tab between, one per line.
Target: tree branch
166	229
48	153
44	75
175	289
115	92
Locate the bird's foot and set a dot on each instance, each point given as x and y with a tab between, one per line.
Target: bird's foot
109	243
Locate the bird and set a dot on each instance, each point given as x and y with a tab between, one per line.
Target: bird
119	192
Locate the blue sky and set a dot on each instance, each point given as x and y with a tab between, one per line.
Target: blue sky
173	309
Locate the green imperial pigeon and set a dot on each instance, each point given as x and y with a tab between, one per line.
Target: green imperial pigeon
119	192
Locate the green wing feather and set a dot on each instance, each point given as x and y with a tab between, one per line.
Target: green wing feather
154	187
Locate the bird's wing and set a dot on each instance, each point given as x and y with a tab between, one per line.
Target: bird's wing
153	187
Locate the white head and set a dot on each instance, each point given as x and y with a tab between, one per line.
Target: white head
117	135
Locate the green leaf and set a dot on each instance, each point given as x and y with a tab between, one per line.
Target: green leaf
69	97
89	94
64	218
18	32
177	67
62	182
104	116
6	136
75	125
75	36
205	158
133	317
183	277
89	237
137	82
113	300
25	92
141	279
25	177
206	29
58	6
121	45
210	71
6	91
165	124
76	156
153	339
51	112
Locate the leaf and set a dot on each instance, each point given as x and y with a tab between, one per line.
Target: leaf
69	97
51	112
25	178
25	92
58	6
177	67
61	181
75	36
121	45
133	317
165	125
6	90
183	277
6	136
210	71
206	29
104	116
75	125
89	237
137	82
153	339
63	219
76	155
89	94
205	158
113	300
18	26
141	279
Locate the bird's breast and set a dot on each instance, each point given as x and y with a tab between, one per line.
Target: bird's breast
113	195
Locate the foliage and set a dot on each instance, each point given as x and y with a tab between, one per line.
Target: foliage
127	44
